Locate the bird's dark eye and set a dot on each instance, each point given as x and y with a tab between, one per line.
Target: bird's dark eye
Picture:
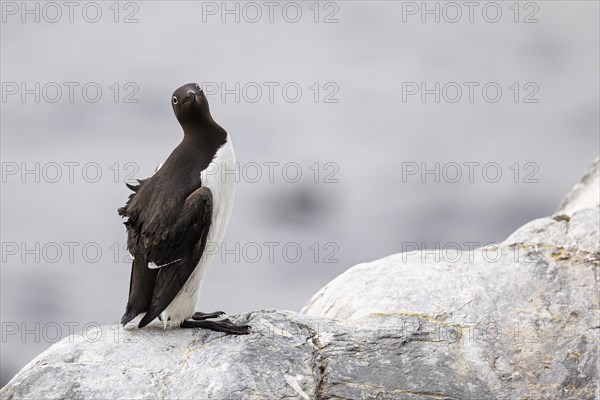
174	100
198	87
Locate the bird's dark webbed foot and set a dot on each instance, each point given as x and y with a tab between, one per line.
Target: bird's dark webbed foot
224	325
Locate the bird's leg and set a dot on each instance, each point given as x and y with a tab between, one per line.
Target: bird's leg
223	325
199	316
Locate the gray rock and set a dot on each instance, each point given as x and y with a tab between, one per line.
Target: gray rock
527	312
113	362
514	320
535	297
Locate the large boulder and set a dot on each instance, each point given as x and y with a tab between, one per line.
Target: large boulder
534	298
518	319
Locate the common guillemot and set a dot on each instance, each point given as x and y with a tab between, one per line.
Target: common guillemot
172	215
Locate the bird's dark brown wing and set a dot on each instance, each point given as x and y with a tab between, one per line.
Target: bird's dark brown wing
190	233
176	250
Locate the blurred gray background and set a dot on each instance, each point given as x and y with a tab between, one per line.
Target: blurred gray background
368	135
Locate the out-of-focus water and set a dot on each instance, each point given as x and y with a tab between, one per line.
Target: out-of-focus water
328	100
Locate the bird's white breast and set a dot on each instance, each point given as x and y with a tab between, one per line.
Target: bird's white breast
220	178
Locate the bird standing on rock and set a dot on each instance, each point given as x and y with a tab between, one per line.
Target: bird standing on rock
172	215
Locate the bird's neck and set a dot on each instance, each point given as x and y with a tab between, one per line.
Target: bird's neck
204	134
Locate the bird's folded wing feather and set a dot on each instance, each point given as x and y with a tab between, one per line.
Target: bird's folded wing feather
174	243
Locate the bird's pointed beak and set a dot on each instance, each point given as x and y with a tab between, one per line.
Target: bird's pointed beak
191	98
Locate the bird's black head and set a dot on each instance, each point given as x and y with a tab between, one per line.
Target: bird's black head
190	106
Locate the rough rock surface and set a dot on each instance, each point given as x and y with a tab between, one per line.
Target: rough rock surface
517	320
